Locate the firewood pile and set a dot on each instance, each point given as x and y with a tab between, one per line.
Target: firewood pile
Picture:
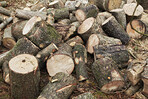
59	35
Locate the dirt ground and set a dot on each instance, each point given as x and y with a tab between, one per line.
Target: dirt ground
138	50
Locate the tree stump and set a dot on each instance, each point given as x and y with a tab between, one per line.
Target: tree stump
41	33
107	75
24	77
61	61
60	87
80	59
114	29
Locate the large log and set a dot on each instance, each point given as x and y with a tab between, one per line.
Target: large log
8	40
17	29
107	75
88	11
99	39
61	61
60	87
114	29
24	77
22	46
80	59
41	33
117	52
107	4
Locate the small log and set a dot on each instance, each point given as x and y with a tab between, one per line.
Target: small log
24	77
56	4
73	41
17	29
102	16
64	21
86	95
107	4
8	40
88	11
145	81
6	73
3	3
22	46
99	39
107	75
133	89
24	14
120	16
80	59
61	61
112	28
70	5
88	27
117	52
41	33
132	6
139	26
5	23
5	11
60	87
134	72
43	55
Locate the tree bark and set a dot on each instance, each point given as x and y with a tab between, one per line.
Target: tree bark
5	11
80	59
86	95
5	23
6	73
24	77
3	3
60	87
73	41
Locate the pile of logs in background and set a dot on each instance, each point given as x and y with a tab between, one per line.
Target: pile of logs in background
74	42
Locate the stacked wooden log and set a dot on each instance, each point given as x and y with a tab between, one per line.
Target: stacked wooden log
59	35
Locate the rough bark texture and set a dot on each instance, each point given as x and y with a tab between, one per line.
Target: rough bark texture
1	19
117	52
107	75
5	69
80	59
17	29
86	95
60	87
24	82
23	45
74	41
114	29
5	11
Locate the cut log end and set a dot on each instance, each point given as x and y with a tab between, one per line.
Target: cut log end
80	15
23	64
9	43
86	25
113	4
60	63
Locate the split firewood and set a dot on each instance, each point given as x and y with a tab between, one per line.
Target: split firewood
107	4
71	5
24	77
41	33
60	87
22	46
64	21
73	41
134	72
107	75
120	16
5	11
117	52
99	39
145	81
102	16
8	40
43	55
6	73
62	13
133	89
139	26
24	14
80	59
61	61
88	27
5	23
112	28
132	6
3	3
84	13
86	95
17	29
